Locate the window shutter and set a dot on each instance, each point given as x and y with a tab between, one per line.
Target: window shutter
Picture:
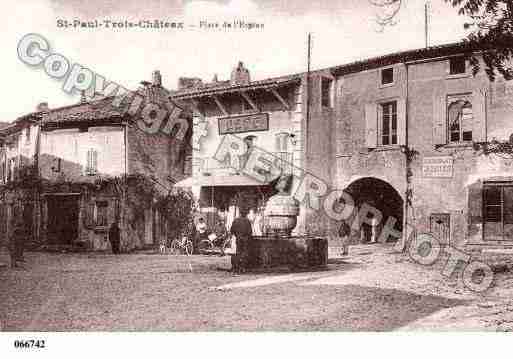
475	203
439	120
88	162
95	161
371	123
479	116
401	122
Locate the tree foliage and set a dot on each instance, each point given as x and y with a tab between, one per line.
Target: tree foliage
490	25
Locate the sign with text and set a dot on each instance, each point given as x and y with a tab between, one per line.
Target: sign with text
437	167
244	123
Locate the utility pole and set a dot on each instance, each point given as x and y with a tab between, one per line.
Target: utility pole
307	124
426	23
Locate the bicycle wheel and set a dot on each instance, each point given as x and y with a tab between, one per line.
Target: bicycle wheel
189	248
206	245
227	244
176	248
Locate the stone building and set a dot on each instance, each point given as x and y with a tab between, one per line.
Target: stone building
269	115
413	134
417	137
92	164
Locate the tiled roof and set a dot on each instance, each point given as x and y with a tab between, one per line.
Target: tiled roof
84	112
406	56
361	65
227	87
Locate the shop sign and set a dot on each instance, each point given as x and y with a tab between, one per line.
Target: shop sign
244	123
437	167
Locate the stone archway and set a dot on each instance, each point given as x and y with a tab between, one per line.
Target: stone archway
380	195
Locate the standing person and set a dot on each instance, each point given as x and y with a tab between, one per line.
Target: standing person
221	234
344	232
114	237
201	233
18	237
258	222
241	229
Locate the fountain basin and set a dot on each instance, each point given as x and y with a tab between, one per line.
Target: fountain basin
293	251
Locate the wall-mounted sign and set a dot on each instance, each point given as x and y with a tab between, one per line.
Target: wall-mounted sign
244	123
437	167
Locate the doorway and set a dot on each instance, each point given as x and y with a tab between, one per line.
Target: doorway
62	225
380	195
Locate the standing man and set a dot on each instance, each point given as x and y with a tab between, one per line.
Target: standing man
201	234
344	233
114	237
241	229
18	237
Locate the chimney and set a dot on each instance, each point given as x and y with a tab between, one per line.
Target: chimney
43	106
185	83
157	78
215	79
240	75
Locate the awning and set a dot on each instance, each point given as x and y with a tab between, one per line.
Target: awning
219	181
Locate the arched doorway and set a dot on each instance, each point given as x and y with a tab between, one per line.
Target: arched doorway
380	195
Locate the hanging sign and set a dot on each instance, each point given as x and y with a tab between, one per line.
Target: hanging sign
245	123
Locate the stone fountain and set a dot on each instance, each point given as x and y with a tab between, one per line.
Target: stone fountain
278	246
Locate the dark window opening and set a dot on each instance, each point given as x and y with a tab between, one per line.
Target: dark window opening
387	76
326	92
457	65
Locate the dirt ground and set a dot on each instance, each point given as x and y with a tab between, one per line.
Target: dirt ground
372	289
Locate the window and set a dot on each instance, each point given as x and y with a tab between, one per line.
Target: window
498	211
389	123
92	162
460	118
282	142
387	76
101	218
457	65
326	92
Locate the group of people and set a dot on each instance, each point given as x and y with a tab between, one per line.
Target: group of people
241	228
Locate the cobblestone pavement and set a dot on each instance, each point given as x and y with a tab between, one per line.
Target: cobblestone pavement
372	289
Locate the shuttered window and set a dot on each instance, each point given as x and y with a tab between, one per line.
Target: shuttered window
101	217
389	123
498	211
460	121
92	162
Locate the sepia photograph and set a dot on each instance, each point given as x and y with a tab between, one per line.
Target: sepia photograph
198	173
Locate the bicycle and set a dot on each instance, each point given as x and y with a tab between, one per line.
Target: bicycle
182	246
210	243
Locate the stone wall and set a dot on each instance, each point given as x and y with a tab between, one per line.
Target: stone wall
426	86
